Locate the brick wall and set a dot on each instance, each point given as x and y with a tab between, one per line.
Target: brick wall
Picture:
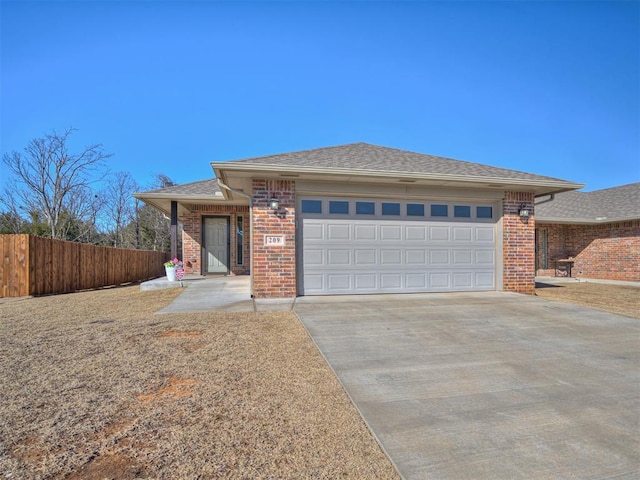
608	251
274	267
192	236
518	244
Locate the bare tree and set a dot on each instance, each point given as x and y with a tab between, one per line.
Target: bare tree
50	180
120	206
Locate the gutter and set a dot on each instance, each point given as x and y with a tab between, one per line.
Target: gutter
247	196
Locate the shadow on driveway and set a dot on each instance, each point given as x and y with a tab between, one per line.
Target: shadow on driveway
487	385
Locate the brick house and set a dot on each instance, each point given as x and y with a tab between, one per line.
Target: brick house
361	218
599	231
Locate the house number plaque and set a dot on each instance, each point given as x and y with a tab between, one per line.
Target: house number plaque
274	240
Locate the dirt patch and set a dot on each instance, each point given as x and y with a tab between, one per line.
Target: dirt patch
108	466
179	334
175	387
95	385
618	299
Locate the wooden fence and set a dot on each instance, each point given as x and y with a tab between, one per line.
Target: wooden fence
39	266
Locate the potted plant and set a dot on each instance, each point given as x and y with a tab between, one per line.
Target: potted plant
170	268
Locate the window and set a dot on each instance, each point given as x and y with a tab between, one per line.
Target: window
338	207
415	209
365	208
391	209
462	211
484	212
439	211
239	240
311	206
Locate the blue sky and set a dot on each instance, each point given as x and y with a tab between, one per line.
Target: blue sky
549	87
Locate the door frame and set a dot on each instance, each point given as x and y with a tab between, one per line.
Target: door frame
203	247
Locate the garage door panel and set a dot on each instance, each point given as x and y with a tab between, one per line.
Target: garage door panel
390	233
314	257
416	257
416	281
391	257
337	256
340	282
391	281
485	280
462	257
485	234
439	257
365	232
365	256
462	280
415	233
439	280
462	234
366	281
314	231
439	233
338	232
485	257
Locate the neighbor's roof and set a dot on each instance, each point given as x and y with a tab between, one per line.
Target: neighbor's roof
187	195
201	188
600	206
371	160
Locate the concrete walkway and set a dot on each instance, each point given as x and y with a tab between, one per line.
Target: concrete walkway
216	294
487	385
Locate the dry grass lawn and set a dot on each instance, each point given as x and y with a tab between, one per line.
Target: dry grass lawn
618	299
94	385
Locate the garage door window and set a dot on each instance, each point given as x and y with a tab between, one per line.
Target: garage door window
462	211
415	209
338	207
484	212
311	206
390	209
439	211
365	208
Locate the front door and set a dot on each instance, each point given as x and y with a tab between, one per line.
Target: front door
216	244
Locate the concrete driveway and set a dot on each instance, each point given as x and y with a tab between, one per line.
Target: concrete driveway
487	385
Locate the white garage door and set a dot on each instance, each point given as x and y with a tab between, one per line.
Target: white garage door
352	246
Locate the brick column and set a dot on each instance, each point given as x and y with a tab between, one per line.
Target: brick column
518	243
274	266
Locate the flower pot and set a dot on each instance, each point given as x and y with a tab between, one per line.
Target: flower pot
171	273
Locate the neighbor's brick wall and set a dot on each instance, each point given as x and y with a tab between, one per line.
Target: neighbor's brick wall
608	251
274	268
518	244
192	236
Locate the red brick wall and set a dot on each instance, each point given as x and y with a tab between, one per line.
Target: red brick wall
608	251
192	236
274	267
518	244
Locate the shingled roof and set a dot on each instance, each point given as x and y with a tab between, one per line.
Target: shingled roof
205	188
372	158
600	206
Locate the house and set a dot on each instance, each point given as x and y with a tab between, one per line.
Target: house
599	231
361	218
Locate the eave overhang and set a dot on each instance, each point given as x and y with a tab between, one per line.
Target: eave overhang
162	201
239	175
584	221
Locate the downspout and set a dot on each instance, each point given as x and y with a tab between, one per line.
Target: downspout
246	195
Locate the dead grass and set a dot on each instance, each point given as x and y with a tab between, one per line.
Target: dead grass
618	299
94	385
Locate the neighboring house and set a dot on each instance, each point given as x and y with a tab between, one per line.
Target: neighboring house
361	218
599	230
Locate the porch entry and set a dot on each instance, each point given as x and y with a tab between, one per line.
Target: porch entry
216	244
